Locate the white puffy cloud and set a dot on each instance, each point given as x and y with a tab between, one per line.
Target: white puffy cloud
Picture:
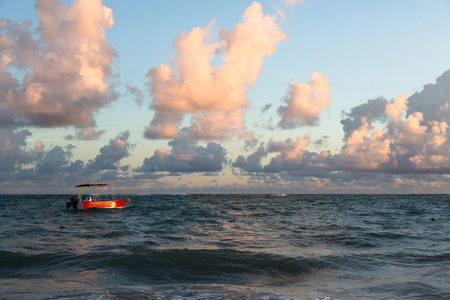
214	95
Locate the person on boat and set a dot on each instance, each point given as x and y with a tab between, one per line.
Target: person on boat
73	202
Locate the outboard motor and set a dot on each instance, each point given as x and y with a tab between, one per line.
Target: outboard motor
73	202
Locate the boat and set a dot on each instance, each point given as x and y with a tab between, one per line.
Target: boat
92	200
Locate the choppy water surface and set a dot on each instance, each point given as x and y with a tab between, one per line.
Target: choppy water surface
227	247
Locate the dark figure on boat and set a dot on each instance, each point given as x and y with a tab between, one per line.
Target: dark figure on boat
73	202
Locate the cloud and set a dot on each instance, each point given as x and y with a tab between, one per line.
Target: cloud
214	95
185	157
422	147
293	2
266	107
65	68
433	101
19	162
163	125
371	111
292	157
89	133
111	155
380	137
366	149
305	101
253	162
57	161
136	93
14	154
216	125
251	142
396	109
289	149
409	143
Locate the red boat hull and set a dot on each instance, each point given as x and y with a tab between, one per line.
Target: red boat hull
105	204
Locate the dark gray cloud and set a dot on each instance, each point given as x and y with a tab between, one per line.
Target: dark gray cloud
185	157
13	152
292	157
111	155
253	162
322	141
56	161
266	107
372	110
18	161
433	101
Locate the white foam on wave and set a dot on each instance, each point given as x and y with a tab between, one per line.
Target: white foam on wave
182	292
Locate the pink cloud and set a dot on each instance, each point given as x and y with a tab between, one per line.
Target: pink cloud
163	125
217	125
397	109
365	149
67	66
432	146
305	102
411	131
289	149
430	162
413	145
194	86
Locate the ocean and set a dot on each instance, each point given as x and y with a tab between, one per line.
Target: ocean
227	247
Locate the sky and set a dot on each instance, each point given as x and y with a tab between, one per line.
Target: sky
277	96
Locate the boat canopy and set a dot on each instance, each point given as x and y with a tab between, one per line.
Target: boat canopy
96	190
93	185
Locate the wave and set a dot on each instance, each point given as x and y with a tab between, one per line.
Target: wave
172	265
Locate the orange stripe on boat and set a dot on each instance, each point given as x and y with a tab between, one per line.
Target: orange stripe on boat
105	204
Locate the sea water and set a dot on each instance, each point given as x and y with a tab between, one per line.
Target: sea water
227	247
